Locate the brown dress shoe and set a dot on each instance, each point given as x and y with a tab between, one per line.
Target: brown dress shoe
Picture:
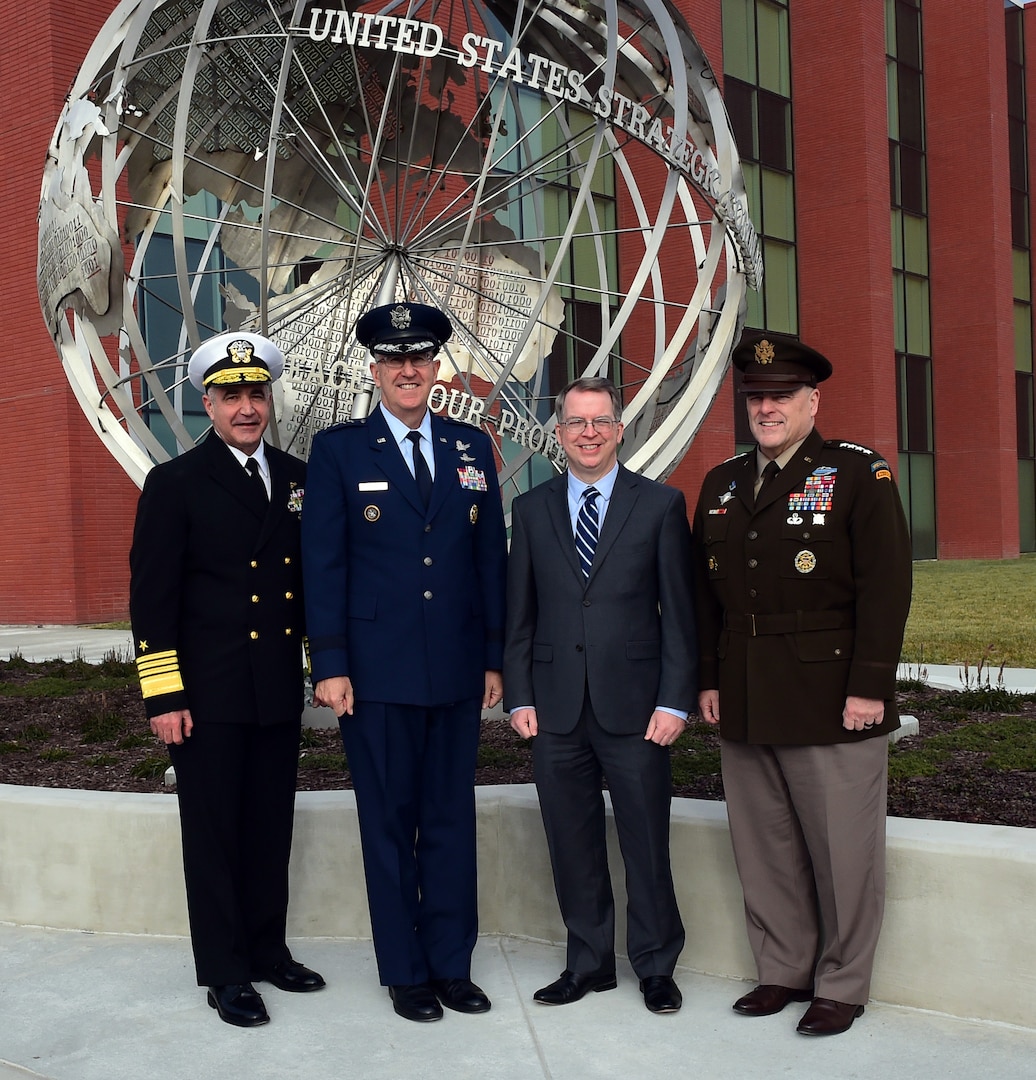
827	1017
768	999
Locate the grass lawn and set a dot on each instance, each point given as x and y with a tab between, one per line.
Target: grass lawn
973	611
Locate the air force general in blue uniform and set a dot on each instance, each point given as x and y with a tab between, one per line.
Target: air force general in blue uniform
404	563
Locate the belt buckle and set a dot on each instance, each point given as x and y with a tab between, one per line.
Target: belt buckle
751	617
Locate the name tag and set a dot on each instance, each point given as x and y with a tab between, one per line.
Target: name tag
374	485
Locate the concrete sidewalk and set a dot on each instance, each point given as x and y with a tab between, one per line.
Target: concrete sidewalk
77	1006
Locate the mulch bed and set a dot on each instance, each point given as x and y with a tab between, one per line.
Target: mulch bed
98	739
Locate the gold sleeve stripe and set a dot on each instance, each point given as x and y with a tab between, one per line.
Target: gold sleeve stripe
159	673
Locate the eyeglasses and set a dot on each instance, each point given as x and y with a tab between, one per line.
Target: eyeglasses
417	360
601	424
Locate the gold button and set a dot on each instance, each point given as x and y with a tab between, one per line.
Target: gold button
254	635
253	564
287	560
255	599
289	596
287	631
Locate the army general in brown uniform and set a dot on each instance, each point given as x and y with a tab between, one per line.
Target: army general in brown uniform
803	595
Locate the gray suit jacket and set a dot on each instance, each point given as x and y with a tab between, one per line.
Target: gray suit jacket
627	632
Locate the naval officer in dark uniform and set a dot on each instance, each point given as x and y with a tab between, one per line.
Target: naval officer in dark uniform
804	573
216	607
404	554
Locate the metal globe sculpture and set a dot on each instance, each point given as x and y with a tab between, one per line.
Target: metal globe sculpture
560	178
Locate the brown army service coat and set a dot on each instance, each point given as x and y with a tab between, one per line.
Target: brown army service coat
803	599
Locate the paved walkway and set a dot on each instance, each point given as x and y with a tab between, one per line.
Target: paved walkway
77	1006
81	1006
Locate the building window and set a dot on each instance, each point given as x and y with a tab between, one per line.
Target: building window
908	193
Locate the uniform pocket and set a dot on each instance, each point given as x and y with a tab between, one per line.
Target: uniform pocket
542	653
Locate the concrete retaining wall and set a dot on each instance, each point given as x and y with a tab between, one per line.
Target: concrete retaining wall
960	925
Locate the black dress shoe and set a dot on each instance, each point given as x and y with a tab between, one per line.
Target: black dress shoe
827	1017
768	999
238	1004
661	994
416	1002
461	995
572	986
292	976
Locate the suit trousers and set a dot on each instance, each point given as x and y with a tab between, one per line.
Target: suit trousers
413	772
808	828
235	784
568	769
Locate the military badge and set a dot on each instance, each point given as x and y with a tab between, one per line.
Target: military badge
462	446
371	513
713	564
818	519
295	498
795	519
881	469
718	510
805	562
764	352
472	479
473	514
725	498
400	317
817	493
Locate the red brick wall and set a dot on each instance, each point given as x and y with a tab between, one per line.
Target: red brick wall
970	236
842	210
66	508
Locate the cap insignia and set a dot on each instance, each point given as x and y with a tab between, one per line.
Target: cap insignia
240	351
400	317
764	352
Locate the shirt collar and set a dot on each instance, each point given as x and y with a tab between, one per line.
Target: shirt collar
400	431
259	455
605	485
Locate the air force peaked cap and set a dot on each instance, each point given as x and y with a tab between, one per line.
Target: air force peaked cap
770	365
232	359
403	328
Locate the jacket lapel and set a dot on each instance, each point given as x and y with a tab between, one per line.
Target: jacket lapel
225	471
624	498
389	459
561	522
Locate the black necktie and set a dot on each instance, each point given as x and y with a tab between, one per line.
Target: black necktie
587	530
769	473
421	472
252	468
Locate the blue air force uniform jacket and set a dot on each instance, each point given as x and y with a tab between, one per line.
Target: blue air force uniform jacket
216	588
407	602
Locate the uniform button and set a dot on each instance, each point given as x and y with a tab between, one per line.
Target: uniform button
753	593
752	535
428	528
805	536
586	603
428	594
253	564
254	635
289	596
428	560
753	563
287	631
255	599
838	652
579	648
287	560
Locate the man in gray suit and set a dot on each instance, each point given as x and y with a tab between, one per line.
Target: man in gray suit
600	666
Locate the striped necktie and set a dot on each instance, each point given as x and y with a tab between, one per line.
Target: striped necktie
587	530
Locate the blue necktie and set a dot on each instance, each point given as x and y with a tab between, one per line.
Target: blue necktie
421	472
587	530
